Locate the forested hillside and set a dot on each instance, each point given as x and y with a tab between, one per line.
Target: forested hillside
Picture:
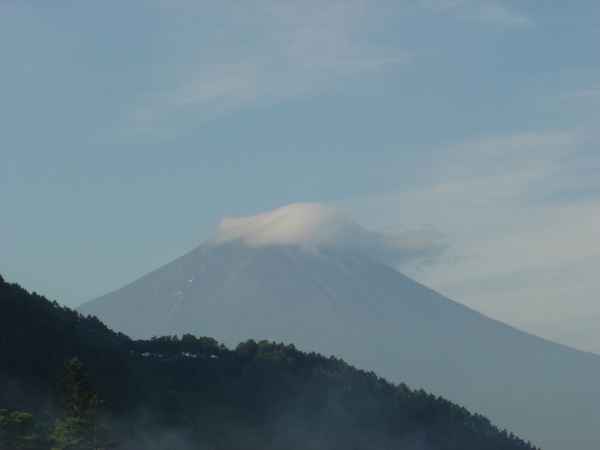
68	382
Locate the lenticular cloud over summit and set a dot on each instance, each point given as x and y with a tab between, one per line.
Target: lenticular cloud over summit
315	225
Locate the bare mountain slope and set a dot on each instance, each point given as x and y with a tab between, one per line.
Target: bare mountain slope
357	308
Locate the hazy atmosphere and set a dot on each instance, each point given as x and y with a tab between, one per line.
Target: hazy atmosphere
458	141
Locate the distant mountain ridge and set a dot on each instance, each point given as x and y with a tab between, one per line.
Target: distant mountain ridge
357	308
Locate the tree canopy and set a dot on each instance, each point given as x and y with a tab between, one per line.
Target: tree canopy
62	375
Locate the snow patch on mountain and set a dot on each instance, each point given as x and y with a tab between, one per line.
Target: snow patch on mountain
323	226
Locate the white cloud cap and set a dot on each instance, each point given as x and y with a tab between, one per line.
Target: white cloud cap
324	226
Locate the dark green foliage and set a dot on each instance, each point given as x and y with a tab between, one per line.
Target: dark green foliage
83	426
74	433
19	431
38	337
192	392
79	402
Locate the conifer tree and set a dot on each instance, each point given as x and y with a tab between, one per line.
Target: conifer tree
83	425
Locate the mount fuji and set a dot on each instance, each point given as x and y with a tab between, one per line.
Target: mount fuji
251	280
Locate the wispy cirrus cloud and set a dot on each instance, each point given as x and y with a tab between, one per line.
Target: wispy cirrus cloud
287	50
496	14
484	12
299	49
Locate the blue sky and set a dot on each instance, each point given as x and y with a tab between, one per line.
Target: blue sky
129	129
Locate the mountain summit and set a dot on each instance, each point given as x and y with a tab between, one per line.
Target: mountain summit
251	280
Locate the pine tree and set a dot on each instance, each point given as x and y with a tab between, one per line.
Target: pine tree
83	426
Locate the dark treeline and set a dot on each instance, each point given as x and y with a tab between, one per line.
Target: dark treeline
68	382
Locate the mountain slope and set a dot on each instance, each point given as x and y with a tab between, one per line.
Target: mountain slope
375	318
193	393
